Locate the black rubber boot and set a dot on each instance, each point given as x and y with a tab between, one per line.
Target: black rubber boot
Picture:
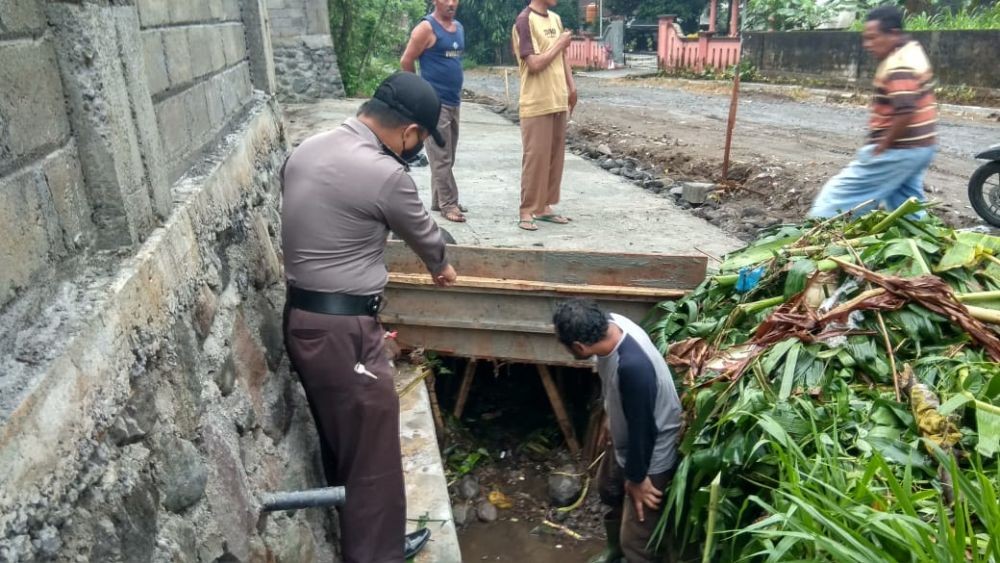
613	552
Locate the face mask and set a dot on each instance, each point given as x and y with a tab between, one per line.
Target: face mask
411	154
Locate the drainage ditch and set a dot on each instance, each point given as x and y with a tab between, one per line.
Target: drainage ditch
517	492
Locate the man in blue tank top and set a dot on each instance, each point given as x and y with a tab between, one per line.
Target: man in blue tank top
438	42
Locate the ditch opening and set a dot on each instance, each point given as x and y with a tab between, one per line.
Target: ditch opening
508	440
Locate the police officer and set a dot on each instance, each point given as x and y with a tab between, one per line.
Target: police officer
343	191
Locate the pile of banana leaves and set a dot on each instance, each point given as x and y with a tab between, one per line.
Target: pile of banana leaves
842	396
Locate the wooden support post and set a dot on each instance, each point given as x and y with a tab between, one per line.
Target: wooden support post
733	103
597	442
506	83
463	391
435	408
591	447
562	417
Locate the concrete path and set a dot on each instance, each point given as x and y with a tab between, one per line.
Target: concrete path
426	487
609	214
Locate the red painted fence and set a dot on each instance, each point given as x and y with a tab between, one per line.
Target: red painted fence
707	51
587	52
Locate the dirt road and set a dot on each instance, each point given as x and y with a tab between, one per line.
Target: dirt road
786	145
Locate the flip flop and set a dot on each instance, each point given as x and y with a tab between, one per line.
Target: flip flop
553	218
532	226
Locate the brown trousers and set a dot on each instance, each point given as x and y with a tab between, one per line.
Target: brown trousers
357	418
544	142
634	534
444	189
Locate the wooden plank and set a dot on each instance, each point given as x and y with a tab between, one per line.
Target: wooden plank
561	266
562	417
435	408
535	286
463	391
488	324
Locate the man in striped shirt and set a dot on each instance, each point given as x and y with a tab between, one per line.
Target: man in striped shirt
902	137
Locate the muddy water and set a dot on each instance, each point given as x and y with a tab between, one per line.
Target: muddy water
519	534
505	540
505	414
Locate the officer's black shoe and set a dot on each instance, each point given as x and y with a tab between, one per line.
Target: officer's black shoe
415	542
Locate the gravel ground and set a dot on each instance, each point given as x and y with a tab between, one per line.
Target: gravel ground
786	144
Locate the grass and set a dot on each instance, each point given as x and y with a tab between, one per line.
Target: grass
965	18
824	510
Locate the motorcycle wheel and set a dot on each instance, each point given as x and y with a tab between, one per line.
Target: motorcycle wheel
984	192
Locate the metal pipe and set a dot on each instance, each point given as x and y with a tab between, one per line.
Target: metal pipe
600	19
311	498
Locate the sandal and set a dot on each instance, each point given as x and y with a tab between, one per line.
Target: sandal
531	226
553	218
453	215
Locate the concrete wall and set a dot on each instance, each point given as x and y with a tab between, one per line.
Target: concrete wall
145	401
195	54
102	108
304	59
44	209
960	58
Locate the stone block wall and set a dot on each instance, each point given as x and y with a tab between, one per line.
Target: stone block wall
145	400
102	107
195	53
304	58
44	209
144	416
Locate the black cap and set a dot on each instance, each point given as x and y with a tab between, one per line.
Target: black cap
414	98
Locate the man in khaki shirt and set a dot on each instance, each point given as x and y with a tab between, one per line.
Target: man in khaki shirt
343	191
548	96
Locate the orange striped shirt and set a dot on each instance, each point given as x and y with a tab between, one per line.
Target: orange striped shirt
904	83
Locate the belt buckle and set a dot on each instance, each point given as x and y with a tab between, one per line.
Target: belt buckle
375	305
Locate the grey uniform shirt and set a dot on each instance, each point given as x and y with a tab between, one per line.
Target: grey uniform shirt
644	412
343	192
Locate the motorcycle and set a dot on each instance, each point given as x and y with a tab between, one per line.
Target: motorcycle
984	186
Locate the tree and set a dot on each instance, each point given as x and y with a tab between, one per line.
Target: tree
689	11
785	15
369	37
489	24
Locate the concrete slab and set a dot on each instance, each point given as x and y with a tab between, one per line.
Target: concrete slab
426	487
609	214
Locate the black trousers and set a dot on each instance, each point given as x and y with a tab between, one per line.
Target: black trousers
357	417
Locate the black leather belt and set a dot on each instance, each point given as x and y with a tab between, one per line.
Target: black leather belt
335	303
